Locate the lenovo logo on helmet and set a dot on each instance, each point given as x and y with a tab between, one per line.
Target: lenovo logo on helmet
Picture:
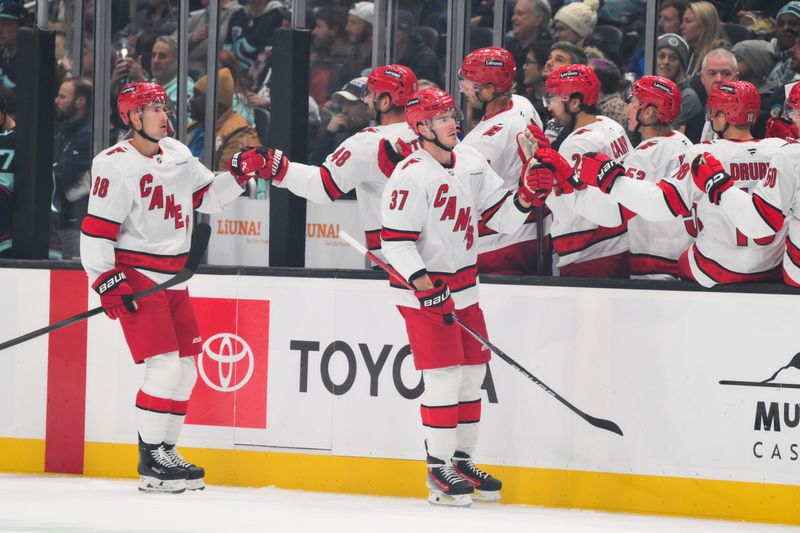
569	74
727	89
126	90
412	101
392	73
662	87
494	63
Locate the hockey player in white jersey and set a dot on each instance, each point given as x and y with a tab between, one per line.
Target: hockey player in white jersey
486	78
721	253
776	197
584	248
366	160
431	208
654	102
136	235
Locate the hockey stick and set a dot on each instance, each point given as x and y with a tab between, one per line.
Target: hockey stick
199	242
601	423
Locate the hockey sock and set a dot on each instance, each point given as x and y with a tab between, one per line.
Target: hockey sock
154	400
469	407
439	410
180	400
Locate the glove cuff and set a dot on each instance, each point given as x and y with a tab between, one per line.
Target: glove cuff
108	281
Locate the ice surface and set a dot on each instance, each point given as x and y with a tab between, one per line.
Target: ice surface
86	505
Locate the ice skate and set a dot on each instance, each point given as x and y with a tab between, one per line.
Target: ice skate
487	488
194	473
446	486
158	472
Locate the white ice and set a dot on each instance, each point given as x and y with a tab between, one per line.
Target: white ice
84	505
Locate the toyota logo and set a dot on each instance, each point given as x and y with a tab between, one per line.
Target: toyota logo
226	349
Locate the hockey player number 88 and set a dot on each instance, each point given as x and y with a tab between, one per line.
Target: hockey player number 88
100	187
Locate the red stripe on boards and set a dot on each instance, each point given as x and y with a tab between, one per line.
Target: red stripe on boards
66	374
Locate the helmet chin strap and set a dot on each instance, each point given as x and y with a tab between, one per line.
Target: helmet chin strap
437	142
142	133
720	133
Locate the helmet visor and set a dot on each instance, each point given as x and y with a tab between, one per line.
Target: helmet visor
446	117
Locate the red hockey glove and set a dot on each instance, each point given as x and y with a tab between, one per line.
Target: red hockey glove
781	128
710	177
541	139
389	156
562	170
599	170
536	184
437	301
262	162
115	293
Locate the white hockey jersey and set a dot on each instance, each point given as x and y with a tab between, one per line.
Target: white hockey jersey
141	208
495	137
355	164
576	238
430	217
721	253
775	198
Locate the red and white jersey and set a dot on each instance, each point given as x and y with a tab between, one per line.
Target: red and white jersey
430	217
576	238
776	197
656	246
721	253
141	208
355	164
495	137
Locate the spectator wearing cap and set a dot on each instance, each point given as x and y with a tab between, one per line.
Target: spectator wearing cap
702	31
331	51
575	22
672	55
359	31
232	132
350	117
251	30
530	23
12	16
786	30
413	53
755	60
611	103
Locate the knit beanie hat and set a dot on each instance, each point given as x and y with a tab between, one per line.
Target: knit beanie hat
759	56
675	43
581	17
792	8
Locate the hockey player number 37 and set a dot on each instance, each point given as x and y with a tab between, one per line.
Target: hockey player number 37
395	194
100	187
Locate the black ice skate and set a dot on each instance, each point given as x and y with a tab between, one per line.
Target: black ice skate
446	486
487	488
159	473
194	473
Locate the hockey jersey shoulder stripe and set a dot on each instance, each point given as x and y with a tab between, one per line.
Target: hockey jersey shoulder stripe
331	189
373	238
571	243
391	234
644	264
490	212
94	226
165	264
720	274
771	214
674	200
197	196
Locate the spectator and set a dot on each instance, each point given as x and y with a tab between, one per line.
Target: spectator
788	27
670	15
574	22
530	23
702	30
8	138
359	32
250	30
412	52
232	132
331	51
563	53
72	159
164	67
534	78
350	118
611	104
198	34
754	60
672	56
240	102
157	17
12	16
717	67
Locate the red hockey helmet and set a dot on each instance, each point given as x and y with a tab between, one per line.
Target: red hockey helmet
791	109
568	80
661	93
138	95
398	81
490	65
739	101
427	104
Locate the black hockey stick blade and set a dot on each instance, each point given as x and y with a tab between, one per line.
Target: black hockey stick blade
200	238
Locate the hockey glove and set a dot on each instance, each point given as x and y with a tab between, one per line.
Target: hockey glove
437	301
562	170
115	293
541	139
710	177
599	170
389	156
265	163
536	184
781	128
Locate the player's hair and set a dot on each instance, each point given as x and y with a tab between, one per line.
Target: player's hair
576	54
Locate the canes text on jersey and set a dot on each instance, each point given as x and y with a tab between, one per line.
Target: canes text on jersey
159	201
